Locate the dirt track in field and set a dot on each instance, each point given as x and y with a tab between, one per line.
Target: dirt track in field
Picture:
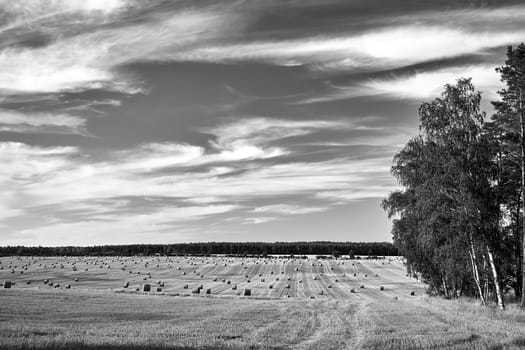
312	304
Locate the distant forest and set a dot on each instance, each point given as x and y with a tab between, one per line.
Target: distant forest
459	219
208	248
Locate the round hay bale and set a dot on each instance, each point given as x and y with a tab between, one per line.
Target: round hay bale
412	293
262	279
68	286
126	285
270	286
321	293
159	289
287	286
7	284
381	288
362	286
355	274
28	282
247	292
57	285
228	282
352	290
76	279
161	284
329	286
208	291
50	284
185	286
184	273
146	287
248	281
46	281
366	275
336	280
234	287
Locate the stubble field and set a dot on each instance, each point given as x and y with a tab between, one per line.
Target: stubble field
100	303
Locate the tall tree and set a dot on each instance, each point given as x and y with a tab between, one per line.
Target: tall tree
511	109
448	206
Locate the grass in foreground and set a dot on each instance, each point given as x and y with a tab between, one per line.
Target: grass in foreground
32	319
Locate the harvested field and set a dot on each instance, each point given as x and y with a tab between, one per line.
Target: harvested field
98	313
294	278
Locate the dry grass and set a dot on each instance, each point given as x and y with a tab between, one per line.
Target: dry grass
307	315
53	319
431	323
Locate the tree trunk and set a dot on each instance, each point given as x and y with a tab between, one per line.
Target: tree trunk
517	250
499	294
522	123
475	271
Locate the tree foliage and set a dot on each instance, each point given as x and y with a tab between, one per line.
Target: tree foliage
446	220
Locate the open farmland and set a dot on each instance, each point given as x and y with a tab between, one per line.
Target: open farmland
81	303
265	278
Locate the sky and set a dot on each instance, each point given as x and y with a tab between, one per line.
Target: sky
126	121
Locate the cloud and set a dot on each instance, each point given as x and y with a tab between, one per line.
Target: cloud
153	156
84	54
41	122
33	174
419	85
425	85
258	220
88	58
161	226
387	47
250	138
21	162
135	172
23	11
287	209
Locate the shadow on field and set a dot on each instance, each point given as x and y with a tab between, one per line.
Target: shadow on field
516	343
83	346
469	339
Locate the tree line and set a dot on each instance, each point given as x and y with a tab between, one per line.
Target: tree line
458	219
208	248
